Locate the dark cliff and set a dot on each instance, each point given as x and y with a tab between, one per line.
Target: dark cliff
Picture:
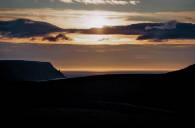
18	70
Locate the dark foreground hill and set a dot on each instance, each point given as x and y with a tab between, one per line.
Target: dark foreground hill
19	70
163	100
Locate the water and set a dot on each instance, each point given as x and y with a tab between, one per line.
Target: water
74	74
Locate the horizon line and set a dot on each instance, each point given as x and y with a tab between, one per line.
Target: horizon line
117	70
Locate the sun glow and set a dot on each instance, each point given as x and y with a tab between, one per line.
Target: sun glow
97	20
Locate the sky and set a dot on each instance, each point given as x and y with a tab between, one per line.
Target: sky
99	34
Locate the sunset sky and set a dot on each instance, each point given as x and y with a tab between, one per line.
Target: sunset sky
100	35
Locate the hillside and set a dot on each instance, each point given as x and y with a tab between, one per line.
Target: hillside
141	100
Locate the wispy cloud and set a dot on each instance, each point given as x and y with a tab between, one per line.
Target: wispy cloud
111	2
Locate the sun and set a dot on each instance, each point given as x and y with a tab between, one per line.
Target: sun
97	22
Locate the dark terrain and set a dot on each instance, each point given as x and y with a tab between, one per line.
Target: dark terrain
141	100
19	70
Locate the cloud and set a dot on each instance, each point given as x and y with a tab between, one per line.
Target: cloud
134	2
56	38
149	31
98	2
188	16
169	30
31	30
66	1
24	28
66	18
145	18
165	26
144	6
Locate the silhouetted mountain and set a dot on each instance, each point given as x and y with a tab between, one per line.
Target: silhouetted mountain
141	100
28	71
26	28
186	71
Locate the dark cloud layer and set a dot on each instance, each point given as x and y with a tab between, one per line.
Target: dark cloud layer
169	30
56	38
149	31
22	28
